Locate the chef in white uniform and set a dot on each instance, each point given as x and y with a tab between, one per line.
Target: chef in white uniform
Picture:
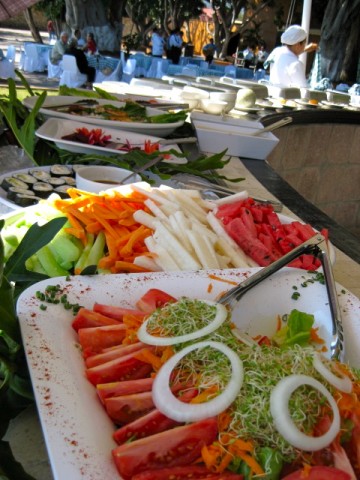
285	67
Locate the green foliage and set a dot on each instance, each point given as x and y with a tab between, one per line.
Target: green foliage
53	9
22	123
15	385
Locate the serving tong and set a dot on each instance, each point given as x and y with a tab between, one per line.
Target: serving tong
315	246
198	183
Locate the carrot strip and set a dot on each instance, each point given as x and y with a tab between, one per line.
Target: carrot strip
147	356
127	267
251	462
205	395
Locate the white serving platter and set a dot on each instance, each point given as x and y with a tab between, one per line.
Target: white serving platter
156	129
54	129
77	431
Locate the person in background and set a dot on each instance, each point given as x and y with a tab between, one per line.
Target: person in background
51	30
90	46
81	61
285	67
261	56
80	40
59	48
209	51
157	43
249	55
175	45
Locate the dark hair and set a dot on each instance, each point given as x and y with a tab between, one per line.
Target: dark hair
77	31
91	35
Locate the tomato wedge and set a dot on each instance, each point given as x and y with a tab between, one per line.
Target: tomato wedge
175	447
94	339
115	389
116	312
318	473
87	318
153	299
186	473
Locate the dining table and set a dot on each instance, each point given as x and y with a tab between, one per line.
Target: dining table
101	62
25	433
41	48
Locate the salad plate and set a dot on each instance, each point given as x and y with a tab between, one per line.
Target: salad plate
79	448
52	103
54	129
306	103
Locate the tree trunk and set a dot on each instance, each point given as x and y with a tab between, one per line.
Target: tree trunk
339	41
91	16
32	27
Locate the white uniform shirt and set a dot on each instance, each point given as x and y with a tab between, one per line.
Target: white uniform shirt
157	44
286	69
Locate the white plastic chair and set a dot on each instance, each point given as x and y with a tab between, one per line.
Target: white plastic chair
33	61
71	75
158	68
129	70
7	69
54	71
11	53
114	76
189	72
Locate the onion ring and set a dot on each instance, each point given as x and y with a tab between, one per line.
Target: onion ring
279	408
219	319
343	383
173	408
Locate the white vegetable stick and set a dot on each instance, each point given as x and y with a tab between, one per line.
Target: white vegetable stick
204	230
184	258
155	195
144	218
236	197
170	208
179	231
204	249
163	259
147	263
191	208
222	234
224	261
156	210
183	198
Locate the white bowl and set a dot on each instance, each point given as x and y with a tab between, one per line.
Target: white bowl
228	97
192	99
215	107
97	178
197	91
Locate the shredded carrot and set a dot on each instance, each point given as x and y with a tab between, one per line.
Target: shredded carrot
145	355
128	267
315	337
210	288
251	462
278	323
206	395
112	214
230	282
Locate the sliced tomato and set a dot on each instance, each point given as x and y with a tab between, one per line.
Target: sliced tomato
116	312
318	473
154	299
186	473
127	408
87	318
123	368
127	387
175	447
94	339
113	353
151	423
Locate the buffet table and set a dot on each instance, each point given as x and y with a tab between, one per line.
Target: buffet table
25	433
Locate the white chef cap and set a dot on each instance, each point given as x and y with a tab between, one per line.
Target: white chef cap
293	35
